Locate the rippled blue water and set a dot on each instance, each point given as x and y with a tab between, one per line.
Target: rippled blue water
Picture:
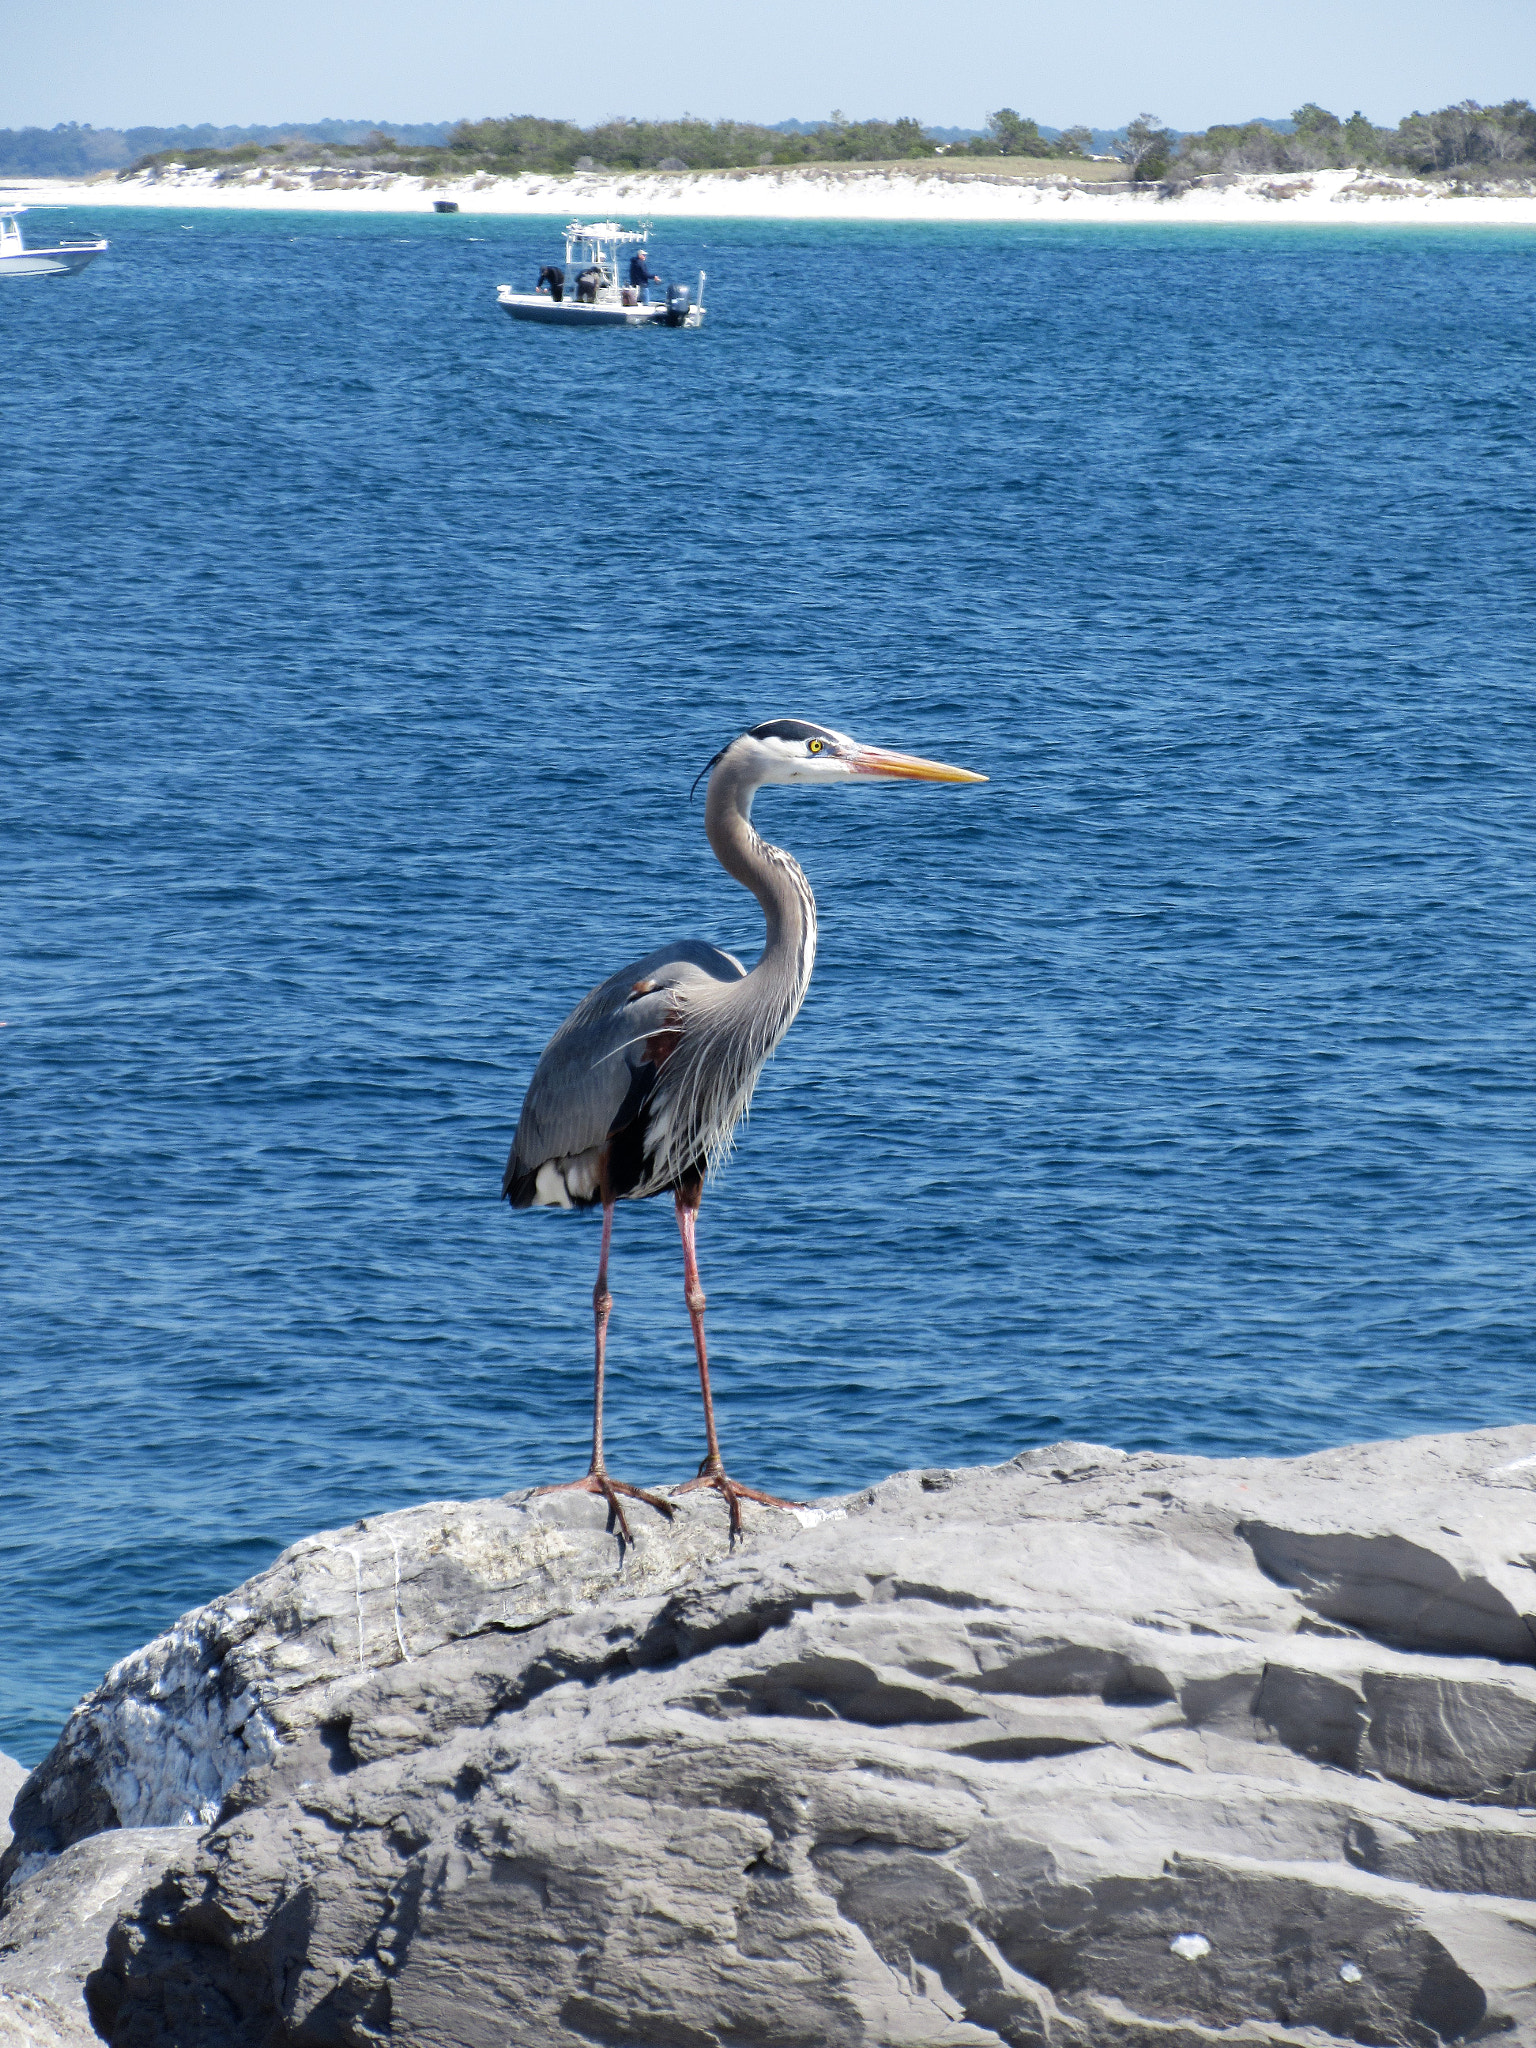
1172	1090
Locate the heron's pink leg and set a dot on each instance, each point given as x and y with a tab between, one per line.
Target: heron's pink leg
712	1472
597	1480
693	1294
602	1308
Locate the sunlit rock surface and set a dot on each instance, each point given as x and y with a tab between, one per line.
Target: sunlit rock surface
11	1777
1082	1748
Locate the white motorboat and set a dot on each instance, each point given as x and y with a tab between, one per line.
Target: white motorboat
589	293
17	260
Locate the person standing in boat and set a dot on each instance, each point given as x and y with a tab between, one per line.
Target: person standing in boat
641	276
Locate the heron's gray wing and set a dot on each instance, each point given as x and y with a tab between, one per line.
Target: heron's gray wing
597	1070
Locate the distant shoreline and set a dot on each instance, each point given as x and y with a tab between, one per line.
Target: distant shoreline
932	192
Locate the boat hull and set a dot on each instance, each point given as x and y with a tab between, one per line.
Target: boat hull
49	262
547	312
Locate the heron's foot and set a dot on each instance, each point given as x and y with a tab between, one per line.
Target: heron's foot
609	1490
735	1493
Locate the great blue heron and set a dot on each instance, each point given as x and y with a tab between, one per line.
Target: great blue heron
641	1089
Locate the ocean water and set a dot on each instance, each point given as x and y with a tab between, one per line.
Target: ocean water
1174	1089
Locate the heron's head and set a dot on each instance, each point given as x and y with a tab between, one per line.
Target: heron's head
794	750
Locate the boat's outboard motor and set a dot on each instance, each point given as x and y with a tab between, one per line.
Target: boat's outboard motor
679	299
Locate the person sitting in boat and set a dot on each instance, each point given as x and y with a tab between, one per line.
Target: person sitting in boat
641	276
587	282
552	280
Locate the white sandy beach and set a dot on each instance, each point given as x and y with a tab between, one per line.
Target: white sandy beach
875	193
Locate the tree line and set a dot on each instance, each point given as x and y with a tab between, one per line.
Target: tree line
1491	140
524	142
1466	137
1453	138
73	149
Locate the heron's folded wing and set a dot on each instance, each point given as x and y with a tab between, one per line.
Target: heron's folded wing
601	1063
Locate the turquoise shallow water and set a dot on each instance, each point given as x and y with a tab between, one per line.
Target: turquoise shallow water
1173	1090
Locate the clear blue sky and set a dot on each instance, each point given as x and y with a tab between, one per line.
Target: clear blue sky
116	63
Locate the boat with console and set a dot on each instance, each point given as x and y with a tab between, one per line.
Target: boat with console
58	260
599	299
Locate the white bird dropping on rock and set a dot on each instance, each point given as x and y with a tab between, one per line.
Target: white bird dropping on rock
1190	1946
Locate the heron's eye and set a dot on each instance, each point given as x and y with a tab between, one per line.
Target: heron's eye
814	746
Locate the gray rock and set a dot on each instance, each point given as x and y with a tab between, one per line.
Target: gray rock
12	1777
1084	1748
55	1926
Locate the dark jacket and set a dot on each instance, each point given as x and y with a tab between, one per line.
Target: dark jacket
639	275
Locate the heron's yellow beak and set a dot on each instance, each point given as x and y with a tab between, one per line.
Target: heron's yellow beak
889	767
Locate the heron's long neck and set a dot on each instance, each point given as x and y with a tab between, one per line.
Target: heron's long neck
777	881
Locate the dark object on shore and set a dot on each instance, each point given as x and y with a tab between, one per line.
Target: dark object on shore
445	206
641	1089
553	276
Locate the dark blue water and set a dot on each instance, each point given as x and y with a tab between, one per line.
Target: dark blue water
1172	1090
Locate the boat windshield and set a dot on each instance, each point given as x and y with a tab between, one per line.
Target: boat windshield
599	242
